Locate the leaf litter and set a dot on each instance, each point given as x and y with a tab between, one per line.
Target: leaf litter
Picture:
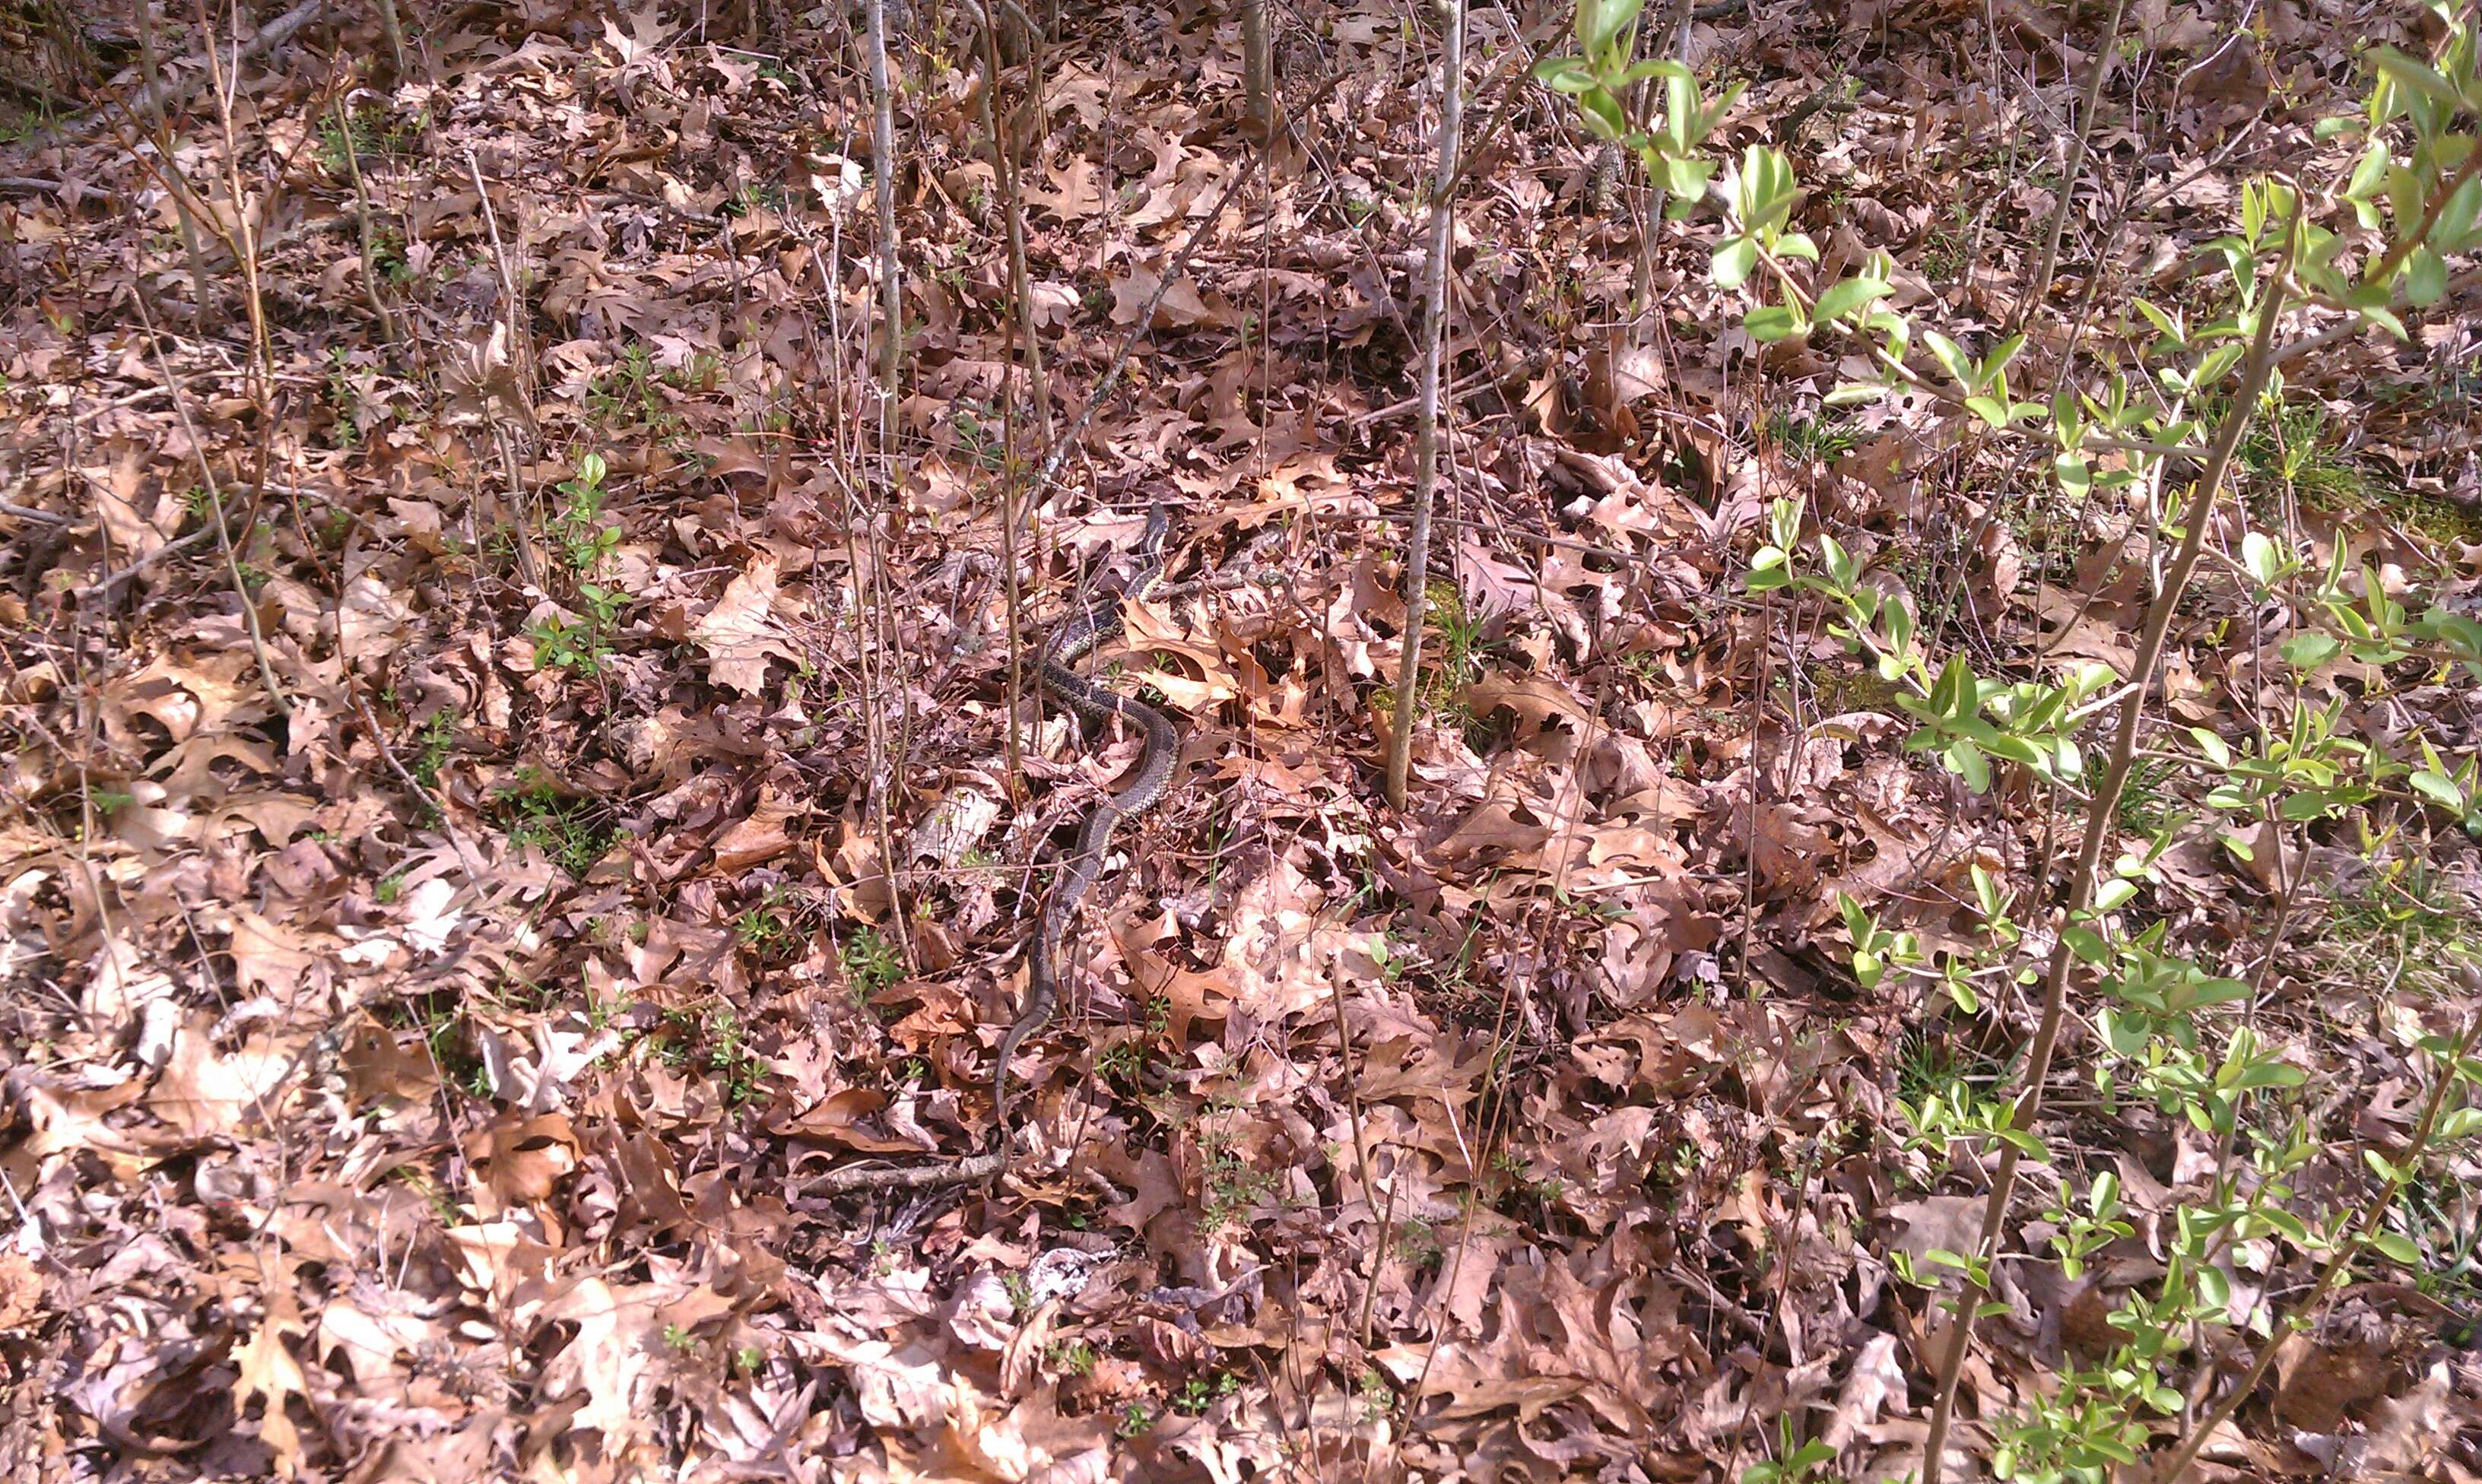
448	952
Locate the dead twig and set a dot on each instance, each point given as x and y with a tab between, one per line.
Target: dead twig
243	234
883	168
215	510
1004	168
363	219
1067	439
413	786
102	587
275	34
184	202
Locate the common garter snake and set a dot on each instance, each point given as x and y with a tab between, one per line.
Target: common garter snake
1076	636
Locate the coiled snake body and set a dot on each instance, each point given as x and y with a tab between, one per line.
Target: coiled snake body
1077	635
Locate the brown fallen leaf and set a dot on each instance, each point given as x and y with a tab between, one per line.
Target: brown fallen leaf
207	1093
267	1371
520	1160
741	633
2326	1375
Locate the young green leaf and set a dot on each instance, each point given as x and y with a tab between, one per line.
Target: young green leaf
1843	299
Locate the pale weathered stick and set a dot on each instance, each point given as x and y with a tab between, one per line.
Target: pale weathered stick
910	1177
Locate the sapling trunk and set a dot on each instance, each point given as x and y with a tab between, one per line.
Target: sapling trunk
1021	290
363	219
394	30
244	237
2039	285
1426	439
891	287
1258	67
150	72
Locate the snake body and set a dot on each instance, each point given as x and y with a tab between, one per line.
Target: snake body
1076	636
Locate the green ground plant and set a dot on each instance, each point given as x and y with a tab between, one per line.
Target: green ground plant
2196	383
573	832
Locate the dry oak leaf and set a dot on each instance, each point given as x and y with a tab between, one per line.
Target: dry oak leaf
498	1257
1790	845
377	1065
203	1092
1510	828
1153	630
521	1160
1499	587
2325	1377
898	1388
123	983
759	837
1938	1223
848	1117
620	1337
269	1371
742	632
1537	700
66	1118
1877	1380
372	621
372	1341
133	532
1180	309
1077	190
268	958
1285	953
2409	1431
22	1291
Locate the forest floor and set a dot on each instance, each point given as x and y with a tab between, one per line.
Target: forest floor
511	799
